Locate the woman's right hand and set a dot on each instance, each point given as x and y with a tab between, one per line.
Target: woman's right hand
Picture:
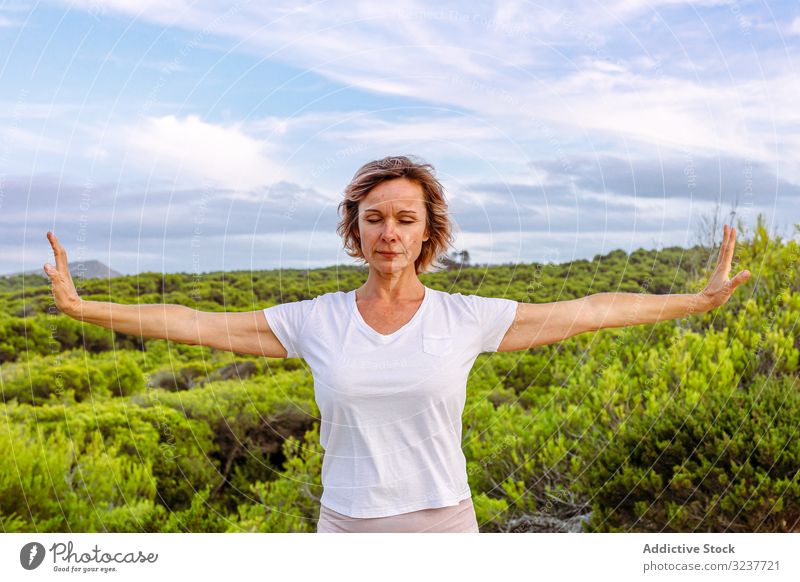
64	292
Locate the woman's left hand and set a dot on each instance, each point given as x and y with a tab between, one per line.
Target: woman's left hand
720	288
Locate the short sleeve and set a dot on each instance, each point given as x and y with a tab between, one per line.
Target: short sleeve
287	322
495	316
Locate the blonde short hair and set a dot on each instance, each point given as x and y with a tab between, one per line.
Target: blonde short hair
440	235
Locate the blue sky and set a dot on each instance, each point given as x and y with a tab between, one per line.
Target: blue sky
193	137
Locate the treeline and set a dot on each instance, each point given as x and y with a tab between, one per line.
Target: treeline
686	425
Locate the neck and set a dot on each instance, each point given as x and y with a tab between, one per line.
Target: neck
402	286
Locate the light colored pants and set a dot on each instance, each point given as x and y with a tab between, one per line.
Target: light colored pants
453	519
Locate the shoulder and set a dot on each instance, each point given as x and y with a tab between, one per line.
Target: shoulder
477	306
308	306
449	298
333	302
461	305
333	299
469	300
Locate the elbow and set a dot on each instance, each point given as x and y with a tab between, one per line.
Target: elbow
591	328
191	335
590	316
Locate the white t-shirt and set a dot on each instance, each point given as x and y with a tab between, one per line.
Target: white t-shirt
391	405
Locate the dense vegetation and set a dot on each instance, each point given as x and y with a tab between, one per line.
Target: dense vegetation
686	425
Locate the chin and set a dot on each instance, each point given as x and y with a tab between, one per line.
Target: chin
389	266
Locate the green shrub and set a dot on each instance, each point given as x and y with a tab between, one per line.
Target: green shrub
728	462
71	378
290	502
162	455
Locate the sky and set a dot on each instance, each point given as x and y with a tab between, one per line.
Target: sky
205	136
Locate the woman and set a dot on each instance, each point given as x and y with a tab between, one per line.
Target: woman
390	359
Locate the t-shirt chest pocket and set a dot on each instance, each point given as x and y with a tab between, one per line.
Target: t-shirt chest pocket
437	344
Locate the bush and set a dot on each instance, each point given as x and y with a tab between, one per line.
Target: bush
290	502
69	378
57	485
123	455
726	463
22	335
177	378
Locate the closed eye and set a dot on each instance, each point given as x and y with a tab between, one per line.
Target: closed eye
402	221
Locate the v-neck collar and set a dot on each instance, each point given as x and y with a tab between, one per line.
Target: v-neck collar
382	337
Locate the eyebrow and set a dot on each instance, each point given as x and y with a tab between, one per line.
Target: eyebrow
398	212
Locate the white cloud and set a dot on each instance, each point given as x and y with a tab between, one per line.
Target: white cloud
629	7
413	131
23	139
23	109
194	151
505	71
794	27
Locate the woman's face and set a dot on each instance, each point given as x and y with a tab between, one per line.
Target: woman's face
392	223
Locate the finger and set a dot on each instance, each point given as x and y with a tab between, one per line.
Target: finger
728	238
60	274
722	245
56	278
59	253
729	250
740	278
726	252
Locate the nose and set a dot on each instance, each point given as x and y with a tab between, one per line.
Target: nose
389	233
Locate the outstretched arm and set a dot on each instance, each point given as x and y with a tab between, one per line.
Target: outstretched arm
243	332
538	324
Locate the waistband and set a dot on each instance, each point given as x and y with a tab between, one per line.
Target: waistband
451	519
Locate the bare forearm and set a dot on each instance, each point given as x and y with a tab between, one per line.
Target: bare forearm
624	309
160	321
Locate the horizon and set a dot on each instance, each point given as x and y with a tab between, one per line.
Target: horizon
469	265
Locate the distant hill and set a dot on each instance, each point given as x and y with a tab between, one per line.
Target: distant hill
82	269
